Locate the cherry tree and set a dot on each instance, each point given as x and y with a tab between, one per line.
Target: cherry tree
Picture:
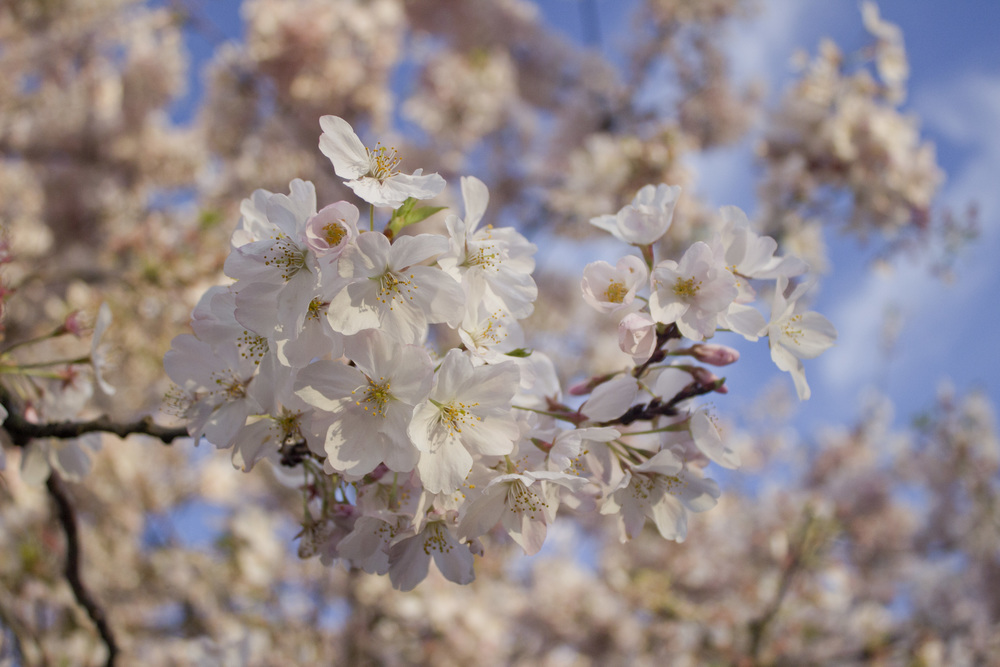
337	278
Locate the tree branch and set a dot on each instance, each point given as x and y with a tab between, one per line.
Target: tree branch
67	518
21	430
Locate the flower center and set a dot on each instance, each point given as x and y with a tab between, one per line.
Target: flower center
457	415
377	397
792	333
485	257
252	346
435	539
393	285
647	487
334	233
523	500
316	307
230	387
616	291
382	162
285	256
687	288
288	427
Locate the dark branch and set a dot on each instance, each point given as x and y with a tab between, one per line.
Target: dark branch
22	431
67	518
660	408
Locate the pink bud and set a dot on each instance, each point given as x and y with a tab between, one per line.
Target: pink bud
716	355
332	229
74	324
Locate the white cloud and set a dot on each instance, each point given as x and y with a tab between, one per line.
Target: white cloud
947	326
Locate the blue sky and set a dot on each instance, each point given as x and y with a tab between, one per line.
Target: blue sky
947	329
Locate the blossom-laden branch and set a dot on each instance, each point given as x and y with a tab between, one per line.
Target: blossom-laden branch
67	518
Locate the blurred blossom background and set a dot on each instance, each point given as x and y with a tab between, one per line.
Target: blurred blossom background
864	525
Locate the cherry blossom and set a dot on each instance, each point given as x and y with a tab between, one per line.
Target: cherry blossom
794	336
372	173
692	292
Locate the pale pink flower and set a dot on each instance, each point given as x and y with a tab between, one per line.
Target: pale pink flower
692	292
332	229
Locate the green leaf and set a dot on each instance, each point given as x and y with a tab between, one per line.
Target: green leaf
407	215
520	353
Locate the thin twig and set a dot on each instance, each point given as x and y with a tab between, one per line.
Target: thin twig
67	518
796	560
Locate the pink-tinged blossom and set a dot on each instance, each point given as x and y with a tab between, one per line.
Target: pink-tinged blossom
663	489
637	336
370	404
494	264
372	174
693	292
610	289
518	502
795	336
646	219
387	288
410	558
332	229
468	412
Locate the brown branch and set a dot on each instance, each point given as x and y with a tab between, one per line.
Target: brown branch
660	408
22	431
800	553
67	518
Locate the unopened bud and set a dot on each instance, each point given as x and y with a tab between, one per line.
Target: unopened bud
707	378
716	355
74	324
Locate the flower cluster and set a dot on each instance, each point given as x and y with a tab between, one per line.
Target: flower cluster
840	131
390	368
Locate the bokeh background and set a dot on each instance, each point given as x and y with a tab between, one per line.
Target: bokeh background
864	526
